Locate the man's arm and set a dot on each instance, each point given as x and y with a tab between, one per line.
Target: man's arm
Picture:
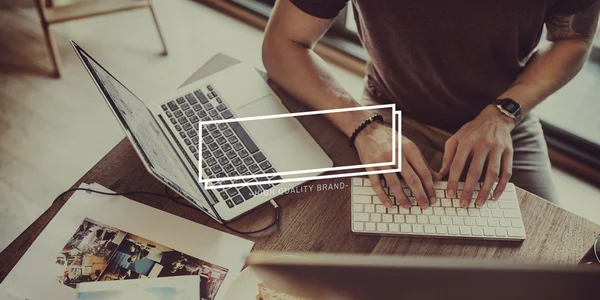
571	39
291	62
488	136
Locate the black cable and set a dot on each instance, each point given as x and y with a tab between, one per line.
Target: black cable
176	200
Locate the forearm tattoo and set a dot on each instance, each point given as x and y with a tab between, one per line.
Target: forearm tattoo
580	25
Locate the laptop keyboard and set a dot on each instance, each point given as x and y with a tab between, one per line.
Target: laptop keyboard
228	150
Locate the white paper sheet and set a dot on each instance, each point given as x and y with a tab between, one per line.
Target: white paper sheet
35	276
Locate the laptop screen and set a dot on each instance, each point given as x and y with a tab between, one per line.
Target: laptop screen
145	134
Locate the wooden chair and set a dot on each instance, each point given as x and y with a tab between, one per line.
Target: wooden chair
50	15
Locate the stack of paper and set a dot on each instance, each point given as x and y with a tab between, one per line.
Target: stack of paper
101	238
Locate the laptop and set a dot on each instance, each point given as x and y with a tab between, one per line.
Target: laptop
165	134
357	277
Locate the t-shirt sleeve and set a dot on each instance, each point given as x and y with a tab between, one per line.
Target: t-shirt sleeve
324	9
570	7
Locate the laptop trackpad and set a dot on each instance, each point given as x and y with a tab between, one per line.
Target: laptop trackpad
268	131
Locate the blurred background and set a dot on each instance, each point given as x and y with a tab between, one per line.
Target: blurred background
54	129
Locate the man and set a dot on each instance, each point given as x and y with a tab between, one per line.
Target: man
446	65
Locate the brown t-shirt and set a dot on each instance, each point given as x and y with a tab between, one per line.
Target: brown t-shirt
443	61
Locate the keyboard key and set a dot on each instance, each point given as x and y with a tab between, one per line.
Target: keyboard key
214	94
489	231
231	154
512	214
481	222
474	212
164	107
253	168
516	223
462	212
243	153
393	210
477	231
428	211
394	227
382	227
417	228
244	137
186	106
362	217
398	218
435	220
221	107
438	211
456	203
212	113
226	114
446	220
515	232
450	211
370	226
178	114
238	199
265	165
405	228
505	223
411	219
422	219
457	221
402	210
501	232
229	203
358	208
453	230
446	202
496	213
357	181
180	100
376	217
440	194
363	190
246	193
469	221
370	208
210	95
429	229
465	230
358	226
441	229
415	210
493	223
173	120
380	209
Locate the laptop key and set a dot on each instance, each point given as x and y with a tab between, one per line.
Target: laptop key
255	189
173	120
213	146
206	154
192	133
209	87
196	141
265	165
228	168
185	106
164	107
226	114
180	100
216	134
219	100
259	157
193	149
238	199
223	160
224	195
226	147
216	169
201	96
218	118
231	154
221	140
212	113
186	127
223	126
194	119
182	134
242	169
243	153
189	113
232	140
236	161
238	146
182	120
191	99
218	153
178	113
196	155
177	127
229	203
169	114
211	161
197	107
205	118
202	114
211	127
207	139
244	137
248	160
187	142
172	105
227	132
254	168
246	192
214	94
210	95
221	107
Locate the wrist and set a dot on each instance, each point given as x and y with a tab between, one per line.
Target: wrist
492	113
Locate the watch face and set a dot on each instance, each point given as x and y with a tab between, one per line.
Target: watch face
511	106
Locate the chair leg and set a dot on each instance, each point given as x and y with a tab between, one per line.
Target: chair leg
160	35
53	50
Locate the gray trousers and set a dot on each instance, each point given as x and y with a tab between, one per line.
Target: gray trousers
531	164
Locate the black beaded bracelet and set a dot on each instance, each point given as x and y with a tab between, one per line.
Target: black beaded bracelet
363	125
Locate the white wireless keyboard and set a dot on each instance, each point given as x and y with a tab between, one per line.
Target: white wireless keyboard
495	220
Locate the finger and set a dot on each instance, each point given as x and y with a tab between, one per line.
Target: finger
416	186
376	185
449	152
507	165
491	175
394	184
456	168
473	177
424	172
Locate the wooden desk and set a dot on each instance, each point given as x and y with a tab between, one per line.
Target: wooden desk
320	221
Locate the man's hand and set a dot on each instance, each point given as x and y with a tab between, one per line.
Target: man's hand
374	145
486	138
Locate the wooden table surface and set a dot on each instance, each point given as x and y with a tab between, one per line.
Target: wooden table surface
320	221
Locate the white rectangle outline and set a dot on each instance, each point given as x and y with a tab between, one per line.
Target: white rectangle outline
318	112
397	114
